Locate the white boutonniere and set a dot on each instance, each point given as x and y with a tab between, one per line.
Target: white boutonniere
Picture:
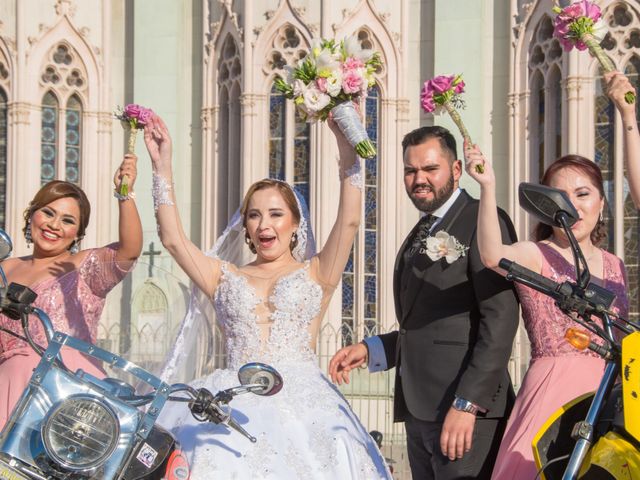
443	245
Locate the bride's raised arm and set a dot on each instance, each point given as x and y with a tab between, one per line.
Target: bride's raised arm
335	252
202	270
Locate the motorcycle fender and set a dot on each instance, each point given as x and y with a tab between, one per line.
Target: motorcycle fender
613	454
554	440
631	383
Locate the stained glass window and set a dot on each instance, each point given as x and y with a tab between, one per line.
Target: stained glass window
541	111
277	131
301	149
49	138
604	123
289	143
631	223
372	109
555	94
73	119
362	289
3	156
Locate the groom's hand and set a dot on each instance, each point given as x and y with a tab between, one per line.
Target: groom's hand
345	360
457	433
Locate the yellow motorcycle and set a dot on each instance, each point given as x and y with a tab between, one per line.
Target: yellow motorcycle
597	435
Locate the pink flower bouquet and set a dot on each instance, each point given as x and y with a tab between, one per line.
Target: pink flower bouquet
443	93
132	118
329	79
580	25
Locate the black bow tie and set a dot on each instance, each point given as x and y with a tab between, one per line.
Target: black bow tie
422	233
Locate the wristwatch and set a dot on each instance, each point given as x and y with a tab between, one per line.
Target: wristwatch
463	405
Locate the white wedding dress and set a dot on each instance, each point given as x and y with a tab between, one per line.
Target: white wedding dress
307	430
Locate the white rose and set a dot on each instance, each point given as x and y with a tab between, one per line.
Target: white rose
314	99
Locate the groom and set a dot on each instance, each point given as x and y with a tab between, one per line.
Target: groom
457	322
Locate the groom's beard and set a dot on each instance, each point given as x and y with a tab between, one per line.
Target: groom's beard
439	197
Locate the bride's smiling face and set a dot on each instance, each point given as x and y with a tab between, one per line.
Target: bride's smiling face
270	224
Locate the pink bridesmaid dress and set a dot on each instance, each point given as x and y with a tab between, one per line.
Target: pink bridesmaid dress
558	372
74	302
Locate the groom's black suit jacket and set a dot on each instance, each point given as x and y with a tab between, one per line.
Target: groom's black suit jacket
457	324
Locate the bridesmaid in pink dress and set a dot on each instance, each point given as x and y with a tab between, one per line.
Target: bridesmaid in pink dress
71	283
557	373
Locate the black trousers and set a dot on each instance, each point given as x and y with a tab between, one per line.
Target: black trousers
428	463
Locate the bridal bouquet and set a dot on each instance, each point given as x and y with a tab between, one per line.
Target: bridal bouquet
133	117
443	93
580	25
330	78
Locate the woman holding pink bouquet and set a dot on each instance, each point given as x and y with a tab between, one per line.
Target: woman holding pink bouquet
270	311
557	372
71	283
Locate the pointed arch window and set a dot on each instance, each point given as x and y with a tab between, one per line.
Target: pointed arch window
73	127
49	138
229	131
545	61
3	156
63	78
360	281
289	135
289	144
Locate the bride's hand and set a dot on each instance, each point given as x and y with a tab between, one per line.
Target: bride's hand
158	142
345	360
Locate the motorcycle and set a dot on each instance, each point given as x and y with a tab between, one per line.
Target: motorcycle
597	435
73	425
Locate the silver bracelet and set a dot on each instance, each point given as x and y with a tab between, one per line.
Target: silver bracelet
161	191
354	174
122	198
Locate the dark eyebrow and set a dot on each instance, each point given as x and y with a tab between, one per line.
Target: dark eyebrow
66	215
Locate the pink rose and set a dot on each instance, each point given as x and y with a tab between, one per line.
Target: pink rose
144	116
352	63
426	99
459	88
591	10
321	83
132	110
351	82
440	84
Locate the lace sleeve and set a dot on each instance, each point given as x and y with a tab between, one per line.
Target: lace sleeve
100	271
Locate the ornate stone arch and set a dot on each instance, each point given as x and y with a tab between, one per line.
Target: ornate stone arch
366	21
222	140
150	325
86	59
94	94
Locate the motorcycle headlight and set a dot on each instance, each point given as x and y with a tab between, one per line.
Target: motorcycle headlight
80	433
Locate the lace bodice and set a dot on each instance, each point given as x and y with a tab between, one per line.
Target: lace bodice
74	301
545	323
294	302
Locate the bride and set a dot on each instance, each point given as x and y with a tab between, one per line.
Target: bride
270	311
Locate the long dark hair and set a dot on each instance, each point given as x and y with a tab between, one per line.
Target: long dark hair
592	171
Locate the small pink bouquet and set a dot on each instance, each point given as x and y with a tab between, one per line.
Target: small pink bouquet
580	25
443	93
133	117
330	78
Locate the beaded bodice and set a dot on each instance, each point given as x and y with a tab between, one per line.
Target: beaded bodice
545	322
294	301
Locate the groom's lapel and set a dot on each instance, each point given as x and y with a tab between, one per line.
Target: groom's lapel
416	284
397	271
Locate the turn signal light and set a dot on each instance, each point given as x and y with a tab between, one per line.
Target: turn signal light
579	339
